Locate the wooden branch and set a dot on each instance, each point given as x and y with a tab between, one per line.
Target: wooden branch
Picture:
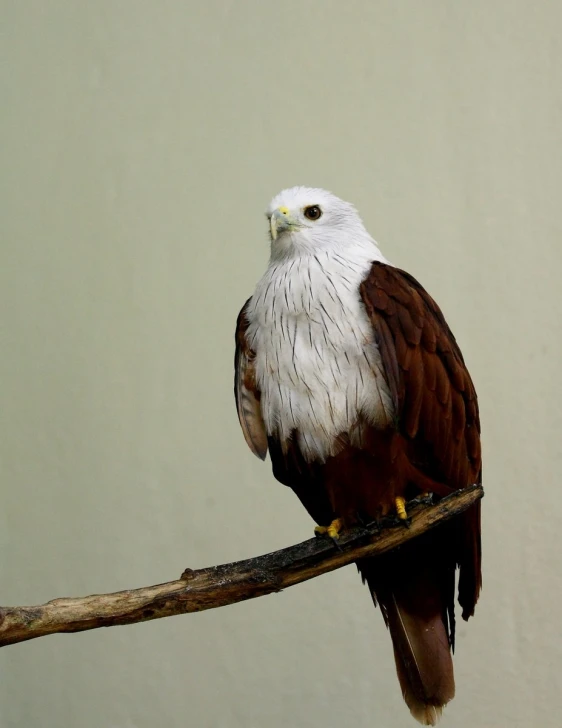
218	586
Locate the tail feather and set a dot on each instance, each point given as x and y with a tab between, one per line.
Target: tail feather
423	660
415	591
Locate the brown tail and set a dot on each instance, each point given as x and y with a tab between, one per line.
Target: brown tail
416	595
423	659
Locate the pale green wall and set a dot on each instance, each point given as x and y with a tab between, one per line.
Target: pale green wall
142	142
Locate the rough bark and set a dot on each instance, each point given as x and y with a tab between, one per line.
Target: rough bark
218	586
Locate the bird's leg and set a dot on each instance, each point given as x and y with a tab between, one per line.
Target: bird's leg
333	530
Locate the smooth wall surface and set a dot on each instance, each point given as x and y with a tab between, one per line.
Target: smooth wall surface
141	142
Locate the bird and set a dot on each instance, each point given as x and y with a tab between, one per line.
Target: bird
347	373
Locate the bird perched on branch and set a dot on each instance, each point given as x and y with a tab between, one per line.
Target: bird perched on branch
347	372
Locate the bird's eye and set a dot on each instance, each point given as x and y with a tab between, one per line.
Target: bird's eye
313	212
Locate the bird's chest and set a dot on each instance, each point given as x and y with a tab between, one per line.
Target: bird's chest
317	365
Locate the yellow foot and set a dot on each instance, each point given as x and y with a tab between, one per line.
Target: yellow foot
401	508
333	530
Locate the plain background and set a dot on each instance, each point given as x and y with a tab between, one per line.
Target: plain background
141	143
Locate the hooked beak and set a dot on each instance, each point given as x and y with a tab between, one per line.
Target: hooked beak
280	222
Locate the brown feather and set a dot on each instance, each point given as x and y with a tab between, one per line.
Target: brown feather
430	364
443	385
429	337
416	389
246	393
415	592
410	331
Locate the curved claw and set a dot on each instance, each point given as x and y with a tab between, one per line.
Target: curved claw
401	512
400	504
333	530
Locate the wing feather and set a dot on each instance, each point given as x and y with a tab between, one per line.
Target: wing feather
246	390
435	400
426	369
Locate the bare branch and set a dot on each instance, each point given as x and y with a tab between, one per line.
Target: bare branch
218	586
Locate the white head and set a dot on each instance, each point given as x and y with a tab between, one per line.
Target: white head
305	220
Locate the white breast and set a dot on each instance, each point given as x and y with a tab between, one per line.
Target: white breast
317	364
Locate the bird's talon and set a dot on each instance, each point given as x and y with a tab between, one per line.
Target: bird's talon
333	530
400	504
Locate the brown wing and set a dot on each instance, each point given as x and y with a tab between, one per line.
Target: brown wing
434	397
246	391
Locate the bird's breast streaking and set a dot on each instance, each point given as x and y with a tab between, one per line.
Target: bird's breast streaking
317	364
